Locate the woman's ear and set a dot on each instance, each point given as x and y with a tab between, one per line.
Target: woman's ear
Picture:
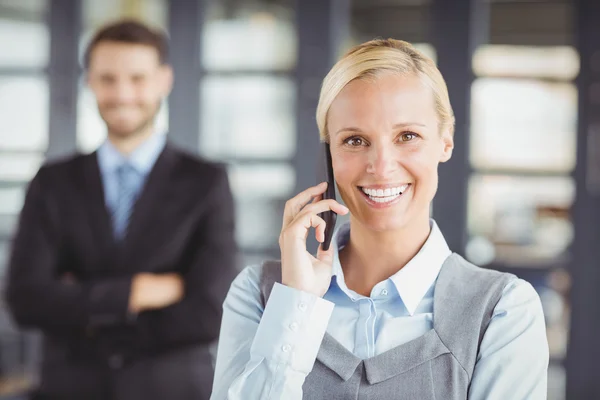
448	146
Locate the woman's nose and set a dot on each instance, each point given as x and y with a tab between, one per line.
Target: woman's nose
381	161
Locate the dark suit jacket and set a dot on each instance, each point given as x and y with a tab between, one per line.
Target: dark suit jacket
71	280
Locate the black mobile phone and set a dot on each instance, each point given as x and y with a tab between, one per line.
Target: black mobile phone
328	216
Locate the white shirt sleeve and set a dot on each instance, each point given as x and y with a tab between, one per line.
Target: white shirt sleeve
267	353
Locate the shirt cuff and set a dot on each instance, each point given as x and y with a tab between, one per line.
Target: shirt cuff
292	327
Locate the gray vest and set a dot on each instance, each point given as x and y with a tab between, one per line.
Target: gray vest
437	365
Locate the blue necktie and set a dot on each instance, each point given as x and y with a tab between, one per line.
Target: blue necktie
127	191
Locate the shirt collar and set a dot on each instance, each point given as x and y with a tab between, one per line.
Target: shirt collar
142	159
414	280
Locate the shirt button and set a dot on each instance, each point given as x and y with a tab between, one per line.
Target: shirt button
286	348
384	292
302	306
294	326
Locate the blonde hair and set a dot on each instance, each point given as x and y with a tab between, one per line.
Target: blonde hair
369	60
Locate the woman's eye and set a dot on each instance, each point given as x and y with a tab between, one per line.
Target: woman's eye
354	142
408	136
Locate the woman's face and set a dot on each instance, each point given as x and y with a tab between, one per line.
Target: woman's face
386	146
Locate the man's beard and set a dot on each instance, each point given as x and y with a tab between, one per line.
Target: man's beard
147	121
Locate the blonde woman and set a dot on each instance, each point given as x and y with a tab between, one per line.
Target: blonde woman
388	312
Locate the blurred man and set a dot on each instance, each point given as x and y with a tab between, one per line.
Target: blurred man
123	257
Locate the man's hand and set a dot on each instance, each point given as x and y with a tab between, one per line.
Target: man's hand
154	291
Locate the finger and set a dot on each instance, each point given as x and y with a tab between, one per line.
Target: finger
325	256
314	221
299	228
295	204
325	205
317	198
320	231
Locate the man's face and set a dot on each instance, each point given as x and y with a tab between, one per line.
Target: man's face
129	83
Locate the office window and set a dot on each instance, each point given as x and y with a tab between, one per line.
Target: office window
248	117
523	131
553	62
523	124
249	36
23	113
11	199
23	43
259	190
19	167
523	220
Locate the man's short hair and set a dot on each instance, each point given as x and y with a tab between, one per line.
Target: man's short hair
133	32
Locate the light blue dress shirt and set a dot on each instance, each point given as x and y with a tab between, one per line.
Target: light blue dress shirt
142	159
266	353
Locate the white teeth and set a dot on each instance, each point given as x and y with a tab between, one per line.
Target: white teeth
370	192
385	195
384	199
381	193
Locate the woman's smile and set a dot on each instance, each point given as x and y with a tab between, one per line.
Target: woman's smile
384	196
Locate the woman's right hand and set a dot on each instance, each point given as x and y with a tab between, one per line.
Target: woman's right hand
300	269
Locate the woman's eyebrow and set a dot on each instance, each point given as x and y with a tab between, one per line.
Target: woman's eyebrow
396	126
405	124
349	129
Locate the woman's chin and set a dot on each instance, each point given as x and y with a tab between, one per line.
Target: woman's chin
382	224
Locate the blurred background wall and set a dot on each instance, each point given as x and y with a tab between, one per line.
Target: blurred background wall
521	193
